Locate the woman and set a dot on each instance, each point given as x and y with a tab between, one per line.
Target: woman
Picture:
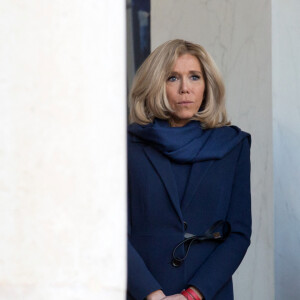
189	208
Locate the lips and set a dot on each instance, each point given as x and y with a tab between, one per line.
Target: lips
185	102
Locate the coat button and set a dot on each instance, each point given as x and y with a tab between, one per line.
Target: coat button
185	225
176	263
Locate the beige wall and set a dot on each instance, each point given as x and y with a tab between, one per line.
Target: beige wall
238	35
62	160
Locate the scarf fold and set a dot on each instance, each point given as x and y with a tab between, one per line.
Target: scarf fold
189	143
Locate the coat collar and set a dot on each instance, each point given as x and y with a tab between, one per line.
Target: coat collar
197	175
163	167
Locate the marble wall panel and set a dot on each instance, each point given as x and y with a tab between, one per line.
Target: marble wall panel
238	35
62	154
286	132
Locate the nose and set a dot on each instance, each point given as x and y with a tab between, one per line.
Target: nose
184	87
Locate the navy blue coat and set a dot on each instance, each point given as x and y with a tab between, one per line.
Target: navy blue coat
218	188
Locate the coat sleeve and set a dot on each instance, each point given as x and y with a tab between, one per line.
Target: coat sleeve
140	281
222	263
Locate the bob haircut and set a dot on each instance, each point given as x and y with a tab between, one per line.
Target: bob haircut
148	98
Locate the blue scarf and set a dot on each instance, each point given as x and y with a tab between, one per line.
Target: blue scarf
189	143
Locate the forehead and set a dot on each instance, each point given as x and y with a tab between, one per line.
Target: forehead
186	62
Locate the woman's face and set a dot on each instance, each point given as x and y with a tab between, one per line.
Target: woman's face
185	88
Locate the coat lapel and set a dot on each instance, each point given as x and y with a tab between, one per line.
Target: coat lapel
198	173
163	168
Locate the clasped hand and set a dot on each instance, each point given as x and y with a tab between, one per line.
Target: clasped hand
159	295
174	297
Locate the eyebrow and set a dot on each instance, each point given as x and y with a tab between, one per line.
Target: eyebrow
191	71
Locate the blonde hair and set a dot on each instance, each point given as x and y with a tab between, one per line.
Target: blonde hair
148	99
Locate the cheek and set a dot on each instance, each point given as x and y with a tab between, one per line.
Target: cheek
200	93
171	95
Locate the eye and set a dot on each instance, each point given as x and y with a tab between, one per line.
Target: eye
172	78
195	77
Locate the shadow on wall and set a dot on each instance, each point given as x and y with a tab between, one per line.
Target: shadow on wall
138	36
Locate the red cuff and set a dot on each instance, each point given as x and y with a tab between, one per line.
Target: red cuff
190	294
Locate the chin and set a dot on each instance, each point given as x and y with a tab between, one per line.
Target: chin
184	116
181	119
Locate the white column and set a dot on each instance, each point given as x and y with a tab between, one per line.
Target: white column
62	150
238	35
286	133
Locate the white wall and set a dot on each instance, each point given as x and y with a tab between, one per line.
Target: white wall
286	132
238	35
62	150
